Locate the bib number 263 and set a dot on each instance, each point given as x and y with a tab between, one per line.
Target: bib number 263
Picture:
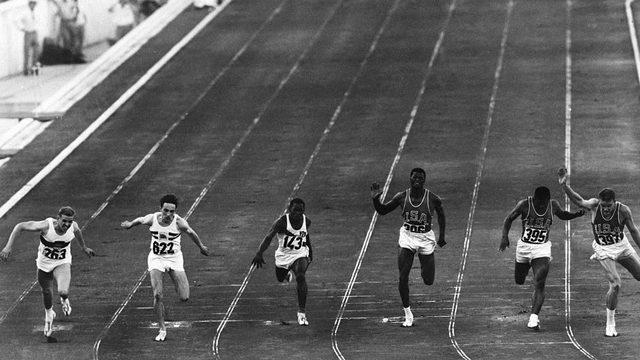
55	254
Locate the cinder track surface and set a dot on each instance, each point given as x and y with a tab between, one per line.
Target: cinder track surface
307	98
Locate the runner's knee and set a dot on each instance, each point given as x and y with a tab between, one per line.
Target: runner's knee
614	285
403	278
427	277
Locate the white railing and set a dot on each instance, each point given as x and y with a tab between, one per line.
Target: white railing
98	28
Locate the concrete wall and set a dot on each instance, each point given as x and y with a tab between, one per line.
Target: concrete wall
99	27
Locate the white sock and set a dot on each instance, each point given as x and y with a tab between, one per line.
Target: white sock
533	317
611	317
407	311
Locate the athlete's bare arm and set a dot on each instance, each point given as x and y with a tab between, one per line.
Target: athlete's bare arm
279	226
309	246
78	235
381	208
31	226
627	220
506	225
309	241
563	214
183	226
142	220
437	205
563	178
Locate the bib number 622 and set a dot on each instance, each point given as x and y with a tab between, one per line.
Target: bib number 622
162	248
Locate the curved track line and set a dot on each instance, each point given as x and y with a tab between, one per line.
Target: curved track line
222	167
476	187
6	207
567	164
403	140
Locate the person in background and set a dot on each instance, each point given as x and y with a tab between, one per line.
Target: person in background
123	16
28	24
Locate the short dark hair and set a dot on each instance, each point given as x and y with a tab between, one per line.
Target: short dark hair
296	201
170	199
607	194
542	193
66	211
418	170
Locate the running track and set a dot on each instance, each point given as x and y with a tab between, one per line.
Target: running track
317	99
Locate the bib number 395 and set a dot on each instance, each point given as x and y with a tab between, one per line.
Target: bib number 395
162	248
535	236
54	254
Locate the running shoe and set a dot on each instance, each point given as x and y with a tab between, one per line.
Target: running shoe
302	319
49	315
162	334
533	324
408	318
610	331
66	306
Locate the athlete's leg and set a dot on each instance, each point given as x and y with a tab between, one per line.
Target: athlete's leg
62	274
613	278
521	272
427	268
632	264
158	304
299	268
181	283
45	279
540	268
282	274
405	262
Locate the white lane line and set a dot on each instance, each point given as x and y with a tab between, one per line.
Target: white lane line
223	323
633	35
476	187
222	167
567	164
104	116
403	140
6	207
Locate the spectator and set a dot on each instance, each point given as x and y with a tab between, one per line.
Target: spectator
27	23
123	16
72	22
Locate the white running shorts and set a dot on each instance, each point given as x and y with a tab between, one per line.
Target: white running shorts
615	251
525	252
285	260
165	263
422	243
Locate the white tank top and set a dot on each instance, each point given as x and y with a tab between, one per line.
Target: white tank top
53	246
165	240
293	241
